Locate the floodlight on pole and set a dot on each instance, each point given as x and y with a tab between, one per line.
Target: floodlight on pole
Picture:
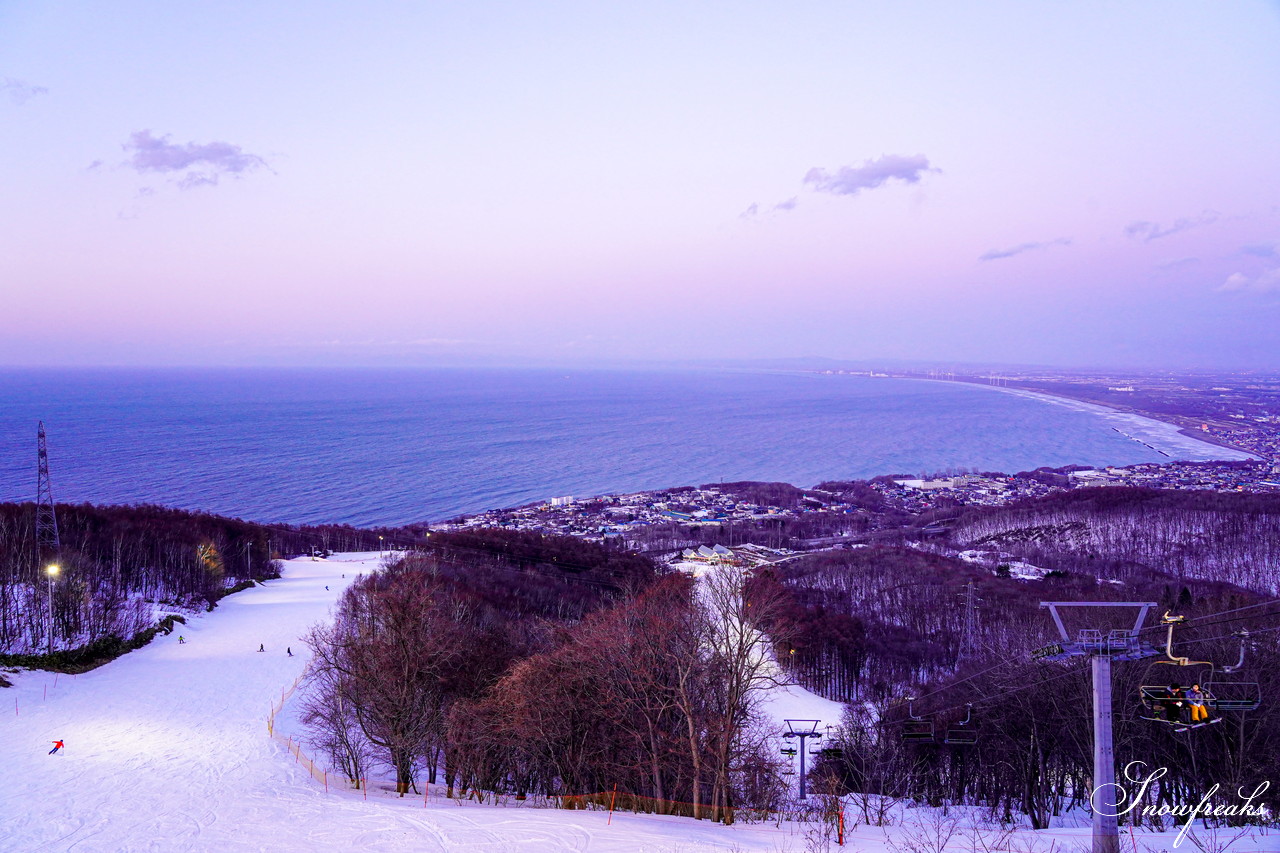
51	572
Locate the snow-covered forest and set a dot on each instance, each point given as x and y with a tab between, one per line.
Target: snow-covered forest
118	566
1111	533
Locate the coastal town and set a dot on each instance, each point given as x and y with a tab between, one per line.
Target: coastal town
775	519
847	513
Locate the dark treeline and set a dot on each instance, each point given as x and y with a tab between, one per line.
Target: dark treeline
564	557
1117	532
549	679
115	561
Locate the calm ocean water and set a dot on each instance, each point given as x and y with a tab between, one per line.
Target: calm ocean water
394	446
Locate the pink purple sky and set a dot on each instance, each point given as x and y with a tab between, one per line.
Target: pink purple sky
1071	183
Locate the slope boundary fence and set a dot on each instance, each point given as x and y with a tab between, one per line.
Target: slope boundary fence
610	801
300	756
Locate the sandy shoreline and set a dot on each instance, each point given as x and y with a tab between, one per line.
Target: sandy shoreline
1169	439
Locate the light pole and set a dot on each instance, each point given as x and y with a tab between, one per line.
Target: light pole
379	546
802	729
51	571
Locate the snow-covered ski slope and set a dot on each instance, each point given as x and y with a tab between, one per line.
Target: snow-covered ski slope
167	750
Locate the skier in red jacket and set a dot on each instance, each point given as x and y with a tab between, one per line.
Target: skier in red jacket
57	745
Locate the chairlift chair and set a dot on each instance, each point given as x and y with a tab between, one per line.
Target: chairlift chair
962	734
1164	702
917	729
1229	694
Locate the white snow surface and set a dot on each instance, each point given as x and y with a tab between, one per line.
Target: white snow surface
167	750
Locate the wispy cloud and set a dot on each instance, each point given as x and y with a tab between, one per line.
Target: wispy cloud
1261	250
1148	231
851	180
1266	282
753	209
195	164
20	91
1177	263
997	254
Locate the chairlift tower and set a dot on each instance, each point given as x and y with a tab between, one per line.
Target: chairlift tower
47	542
1101	648
802	729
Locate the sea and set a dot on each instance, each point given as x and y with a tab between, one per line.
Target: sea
386	447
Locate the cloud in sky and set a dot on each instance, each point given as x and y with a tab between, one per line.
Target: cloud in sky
1177	263
997	254
1261	250
1266	282
20	91
851	180
198	164
753	209
1148	231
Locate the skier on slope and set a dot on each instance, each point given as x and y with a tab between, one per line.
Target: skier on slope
57	745
261	647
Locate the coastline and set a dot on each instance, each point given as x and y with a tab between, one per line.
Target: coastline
1164	436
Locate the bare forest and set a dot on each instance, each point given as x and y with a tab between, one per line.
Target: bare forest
453	667
118	564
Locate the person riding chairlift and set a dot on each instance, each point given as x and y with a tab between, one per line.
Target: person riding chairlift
1196	699
1173	704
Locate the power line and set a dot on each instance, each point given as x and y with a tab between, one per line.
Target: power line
1187	622
1233	619
1234	634
952	684
993	697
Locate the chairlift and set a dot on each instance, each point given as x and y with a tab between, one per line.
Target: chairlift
1229	694
962	734
917	729
1166	704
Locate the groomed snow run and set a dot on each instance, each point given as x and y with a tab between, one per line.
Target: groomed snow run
167	750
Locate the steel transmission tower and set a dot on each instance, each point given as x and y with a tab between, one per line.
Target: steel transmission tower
47	542
969	639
